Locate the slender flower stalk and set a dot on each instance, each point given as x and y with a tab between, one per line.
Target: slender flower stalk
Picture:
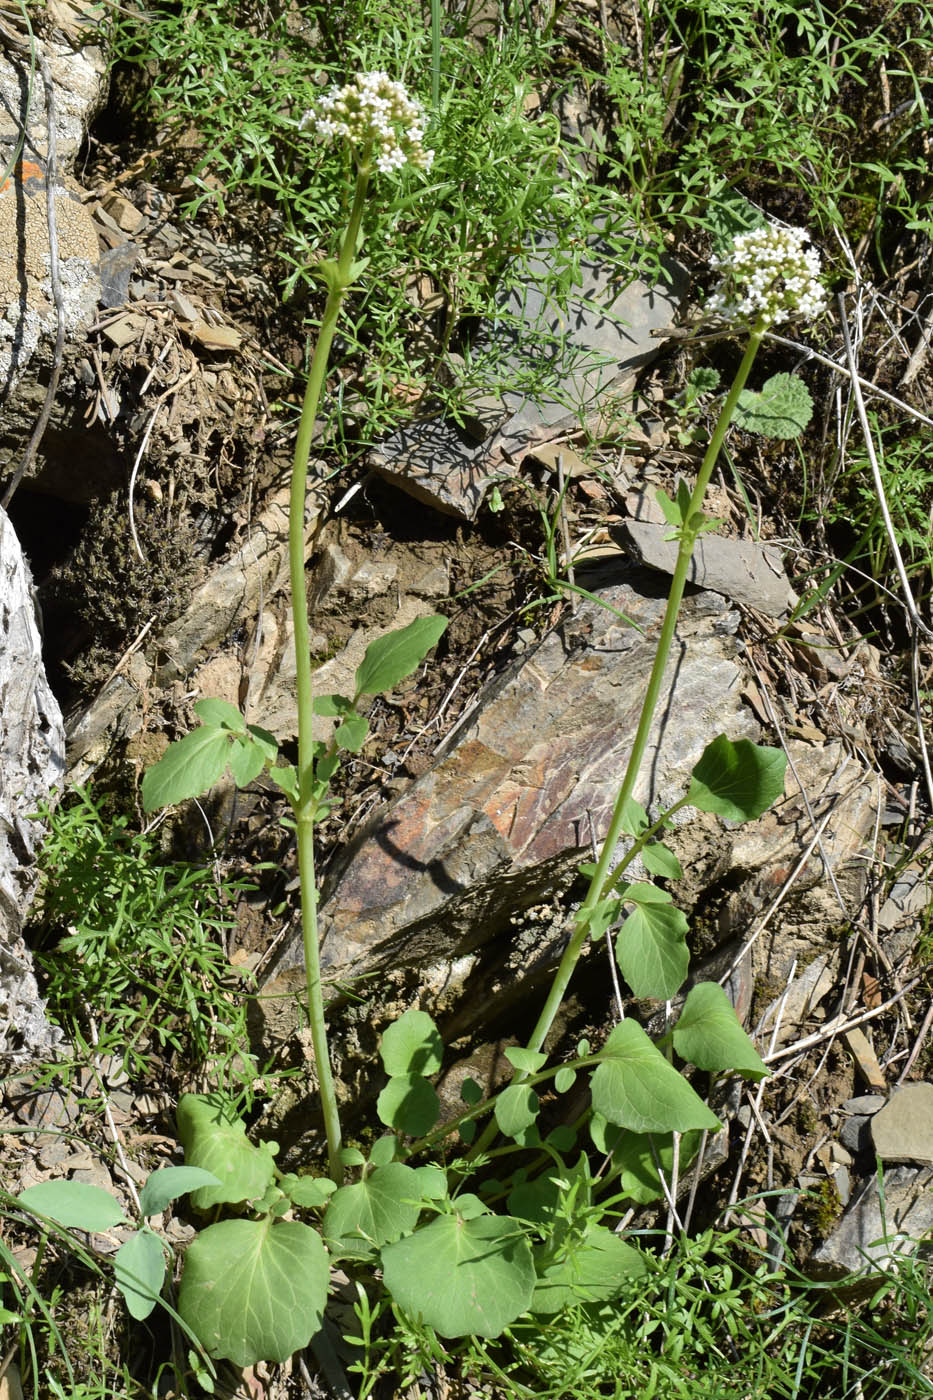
384	125
768	277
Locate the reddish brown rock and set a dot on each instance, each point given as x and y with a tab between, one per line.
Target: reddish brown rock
506	814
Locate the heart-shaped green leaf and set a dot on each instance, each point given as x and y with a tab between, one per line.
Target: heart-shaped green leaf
351	734
636	1087
382	1207
187	768
409	1104
220	714
75	1204
216	1140
309	1192
412	1045
516	1109
463	1277
526	1061
737	780
782	409
390	659
247	760
164	1185
650	948
332	705
709	1035
658	859
254	1290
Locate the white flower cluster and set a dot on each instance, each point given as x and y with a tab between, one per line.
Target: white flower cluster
374	110
769	270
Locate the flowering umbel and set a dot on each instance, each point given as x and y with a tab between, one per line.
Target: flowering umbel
372	110
769	271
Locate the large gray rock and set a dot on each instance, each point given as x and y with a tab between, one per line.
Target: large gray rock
31	764
580	347
745	571
504	817
79	75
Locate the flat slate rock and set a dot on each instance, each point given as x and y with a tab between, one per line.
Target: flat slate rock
867	1238
902	1131
594	340
526	779
749	573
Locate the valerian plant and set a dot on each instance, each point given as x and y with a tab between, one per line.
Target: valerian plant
470	1223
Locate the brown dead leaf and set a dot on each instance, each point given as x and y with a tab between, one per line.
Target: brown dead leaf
871	991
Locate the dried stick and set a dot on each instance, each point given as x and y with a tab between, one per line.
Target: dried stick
838	1025
908	599
917	1046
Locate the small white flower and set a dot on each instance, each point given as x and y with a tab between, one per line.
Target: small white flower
771	271
372	110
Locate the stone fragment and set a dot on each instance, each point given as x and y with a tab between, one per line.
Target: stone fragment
910	895
788	1011
505	814
124	214
864	1055
595	340
869	1236
32	752
116	269
213	337
11	1382
124	330
865	1104
902	1131
855	1133
751	574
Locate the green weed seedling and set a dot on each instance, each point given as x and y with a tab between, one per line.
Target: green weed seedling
457	1251
143	946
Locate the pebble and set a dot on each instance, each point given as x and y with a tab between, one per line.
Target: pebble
865	1103
902	1131
855	1134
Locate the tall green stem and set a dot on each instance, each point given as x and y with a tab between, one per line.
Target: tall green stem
340	278
601	879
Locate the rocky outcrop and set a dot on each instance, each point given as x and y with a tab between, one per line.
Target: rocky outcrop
551	362
32	762
523	785
29	315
